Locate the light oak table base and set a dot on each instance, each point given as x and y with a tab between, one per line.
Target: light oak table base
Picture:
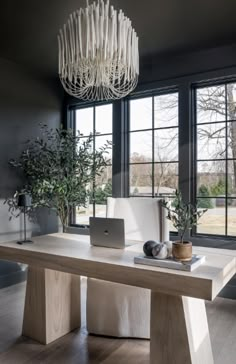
52	304
179	331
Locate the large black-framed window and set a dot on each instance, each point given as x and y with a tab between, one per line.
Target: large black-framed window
154	145
215	158
189	175
95	120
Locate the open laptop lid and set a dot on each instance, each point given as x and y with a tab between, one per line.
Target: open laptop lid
107	232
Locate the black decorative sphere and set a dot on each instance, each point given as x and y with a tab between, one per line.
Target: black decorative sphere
148	246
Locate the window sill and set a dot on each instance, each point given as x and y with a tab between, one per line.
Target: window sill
73	229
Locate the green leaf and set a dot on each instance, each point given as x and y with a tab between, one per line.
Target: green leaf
58	169
182	215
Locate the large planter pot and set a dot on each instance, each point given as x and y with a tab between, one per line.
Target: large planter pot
182	251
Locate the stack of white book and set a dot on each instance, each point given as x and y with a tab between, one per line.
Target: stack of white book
171	263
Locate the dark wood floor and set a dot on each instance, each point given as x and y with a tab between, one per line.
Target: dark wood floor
79	348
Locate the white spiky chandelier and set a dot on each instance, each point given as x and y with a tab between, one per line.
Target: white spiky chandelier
98	53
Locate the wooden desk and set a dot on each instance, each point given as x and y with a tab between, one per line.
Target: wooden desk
179	329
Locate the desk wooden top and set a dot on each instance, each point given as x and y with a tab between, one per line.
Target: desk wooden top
73	254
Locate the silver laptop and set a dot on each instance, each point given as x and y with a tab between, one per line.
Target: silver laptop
107	232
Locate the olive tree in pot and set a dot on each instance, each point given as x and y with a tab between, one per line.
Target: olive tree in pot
183	217
59	169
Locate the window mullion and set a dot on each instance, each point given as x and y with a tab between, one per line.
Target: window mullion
94	148
119	173
185	143
153	146
226	163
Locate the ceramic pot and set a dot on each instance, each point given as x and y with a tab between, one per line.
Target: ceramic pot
182	251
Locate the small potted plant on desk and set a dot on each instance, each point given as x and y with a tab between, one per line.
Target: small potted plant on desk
183	217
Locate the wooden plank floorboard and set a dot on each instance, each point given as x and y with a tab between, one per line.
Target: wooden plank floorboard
79	348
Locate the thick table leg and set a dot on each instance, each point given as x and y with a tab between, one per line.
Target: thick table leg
179	331
52	304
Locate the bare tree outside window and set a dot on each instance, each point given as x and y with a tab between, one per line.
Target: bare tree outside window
216	158
154	145
154	159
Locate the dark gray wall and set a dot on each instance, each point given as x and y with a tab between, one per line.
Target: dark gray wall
25	101
175	66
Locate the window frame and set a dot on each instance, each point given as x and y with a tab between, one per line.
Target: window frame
71	123
185	84
152	94
196	86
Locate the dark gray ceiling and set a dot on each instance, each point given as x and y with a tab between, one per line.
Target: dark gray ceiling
29	28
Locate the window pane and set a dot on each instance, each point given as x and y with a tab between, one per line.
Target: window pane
102	191
171	226
160	144
211	104
84	120
213	221
166	145
165	178
82	215
103	117
104	180
216	174
231	140
166	110
231	101
232	178
101	210
101	141
140	180
211	141
141	114
232	217
141	146
83	140
211	178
